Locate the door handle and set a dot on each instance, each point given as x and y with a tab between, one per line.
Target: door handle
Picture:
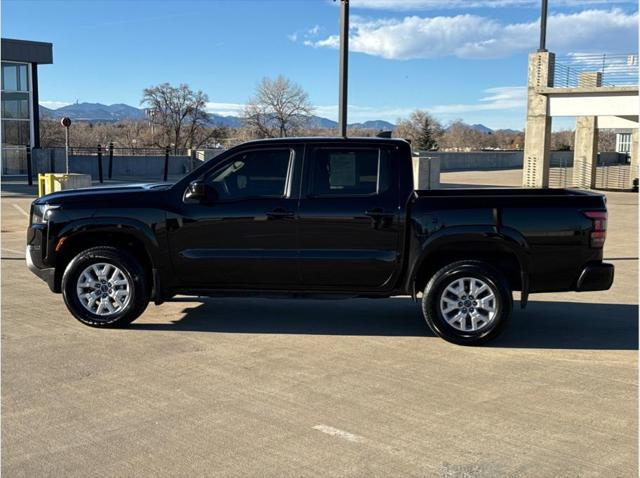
279	213
378	212
380	219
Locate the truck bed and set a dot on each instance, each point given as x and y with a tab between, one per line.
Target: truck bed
515	197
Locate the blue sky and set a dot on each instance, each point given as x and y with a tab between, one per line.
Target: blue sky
457	58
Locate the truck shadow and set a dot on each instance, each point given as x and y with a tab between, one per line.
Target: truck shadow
553	325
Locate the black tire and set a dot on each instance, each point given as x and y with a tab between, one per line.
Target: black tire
133	272
437	287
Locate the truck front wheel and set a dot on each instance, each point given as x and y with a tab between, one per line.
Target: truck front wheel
467	302
105	287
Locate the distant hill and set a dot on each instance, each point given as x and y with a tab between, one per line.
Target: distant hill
481	128
508	131
94	112
98	112
478	127
228	121
374	124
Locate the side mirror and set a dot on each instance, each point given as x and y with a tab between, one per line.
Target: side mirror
196	191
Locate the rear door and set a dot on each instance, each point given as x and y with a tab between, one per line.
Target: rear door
348	218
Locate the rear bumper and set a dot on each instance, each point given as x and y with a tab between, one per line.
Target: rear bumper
47	274
596	276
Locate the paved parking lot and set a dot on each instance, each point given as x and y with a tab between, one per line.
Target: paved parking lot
252	387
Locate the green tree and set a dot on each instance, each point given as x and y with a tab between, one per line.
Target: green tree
426	139
422	129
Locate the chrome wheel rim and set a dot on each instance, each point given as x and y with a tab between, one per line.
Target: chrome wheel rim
468	304
103	289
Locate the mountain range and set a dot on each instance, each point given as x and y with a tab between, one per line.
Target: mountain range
120	111
98	112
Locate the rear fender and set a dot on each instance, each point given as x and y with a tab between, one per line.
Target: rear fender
474	241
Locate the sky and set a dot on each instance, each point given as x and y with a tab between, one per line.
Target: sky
459	59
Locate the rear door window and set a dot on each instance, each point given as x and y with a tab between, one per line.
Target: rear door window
348	172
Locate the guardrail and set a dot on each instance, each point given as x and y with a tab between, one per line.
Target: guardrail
593	70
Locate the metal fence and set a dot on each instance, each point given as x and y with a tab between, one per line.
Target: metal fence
120	151
595	69
611	177
158	158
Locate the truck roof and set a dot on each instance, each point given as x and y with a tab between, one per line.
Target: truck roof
327	139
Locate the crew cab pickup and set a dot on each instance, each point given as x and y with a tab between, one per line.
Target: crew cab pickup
317	217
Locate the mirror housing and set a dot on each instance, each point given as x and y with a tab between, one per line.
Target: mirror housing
196	191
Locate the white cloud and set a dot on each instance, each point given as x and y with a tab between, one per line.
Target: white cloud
405	5
358	113
501	98
54	105
498	98
225	109
473	36
306	35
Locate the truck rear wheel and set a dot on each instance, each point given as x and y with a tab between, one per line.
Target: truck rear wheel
467	302
105	287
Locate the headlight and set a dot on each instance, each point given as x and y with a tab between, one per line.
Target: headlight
40	212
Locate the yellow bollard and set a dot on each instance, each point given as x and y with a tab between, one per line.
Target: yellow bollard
41	185
46	183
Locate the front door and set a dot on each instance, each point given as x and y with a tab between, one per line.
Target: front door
349	219
244	235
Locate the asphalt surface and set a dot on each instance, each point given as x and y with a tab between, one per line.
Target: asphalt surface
275	388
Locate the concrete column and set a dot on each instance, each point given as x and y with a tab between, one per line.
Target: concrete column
634	173
585	154
426	172
537	154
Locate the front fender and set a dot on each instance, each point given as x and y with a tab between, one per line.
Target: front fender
135	228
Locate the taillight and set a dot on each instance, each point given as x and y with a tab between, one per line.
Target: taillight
599	231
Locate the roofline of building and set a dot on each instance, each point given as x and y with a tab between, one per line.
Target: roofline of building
27	51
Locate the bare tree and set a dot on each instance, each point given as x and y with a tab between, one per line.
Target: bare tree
459	136
279	108
179	112
562	140
606	140
421	128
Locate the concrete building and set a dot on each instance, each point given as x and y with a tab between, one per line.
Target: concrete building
600	91
20	113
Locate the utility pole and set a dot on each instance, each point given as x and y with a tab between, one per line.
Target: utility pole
344	67
543	27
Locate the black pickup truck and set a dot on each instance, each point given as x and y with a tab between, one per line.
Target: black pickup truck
317	217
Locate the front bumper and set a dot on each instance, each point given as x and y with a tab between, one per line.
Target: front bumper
595	276
47	274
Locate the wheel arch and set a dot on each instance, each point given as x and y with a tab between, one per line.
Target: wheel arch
506	251
75	238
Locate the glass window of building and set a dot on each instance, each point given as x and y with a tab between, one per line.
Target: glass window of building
16	118
623	142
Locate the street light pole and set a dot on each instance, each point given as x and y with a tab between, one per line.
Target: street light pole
543	27
66	122
344	67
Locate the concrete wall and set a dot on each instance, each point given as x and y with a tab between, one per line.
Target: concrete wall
148	167
487	160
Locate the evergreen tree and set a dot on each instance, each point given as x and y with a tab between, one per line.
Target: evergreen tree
426	138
